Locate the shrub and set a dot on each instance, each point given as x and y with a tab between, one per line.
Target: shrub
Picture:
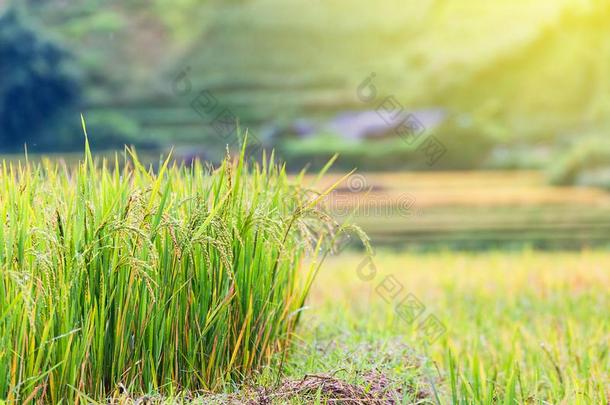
189	277
469	143
584	163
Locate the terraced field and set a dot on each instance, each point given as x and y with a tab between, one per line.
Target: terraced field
474	210
271	61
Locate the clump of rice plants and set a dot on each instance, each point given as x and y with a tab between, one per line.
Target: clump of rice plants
180	278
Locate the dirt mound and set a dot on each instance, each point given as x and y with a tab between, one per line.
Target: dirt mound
376	390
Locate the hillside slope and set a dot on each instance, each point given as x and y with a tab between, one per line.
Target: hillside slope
532	68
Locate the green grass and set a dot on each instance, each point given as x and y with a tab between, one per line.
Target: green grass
524	327
181	279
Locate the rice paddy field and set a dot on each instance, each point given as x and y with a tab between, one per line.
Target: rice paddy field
243	284
516	327
465	259
473	210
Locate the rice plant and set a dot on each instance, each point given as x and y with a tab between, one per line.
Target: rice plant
116	276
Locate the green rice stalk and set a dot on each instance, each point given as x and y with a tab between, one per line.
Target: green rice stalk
181	278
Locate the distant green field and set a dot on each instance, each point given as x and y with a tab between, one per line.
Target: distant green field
475	210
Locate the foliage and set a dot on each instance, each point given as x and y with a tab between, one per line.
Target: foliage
183	278
468	142
586	162
38	86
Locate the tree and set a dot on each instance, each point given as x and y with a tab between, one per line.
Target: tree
37	85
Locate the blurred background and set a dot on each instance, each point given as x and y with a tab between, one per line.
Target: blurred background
473	124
